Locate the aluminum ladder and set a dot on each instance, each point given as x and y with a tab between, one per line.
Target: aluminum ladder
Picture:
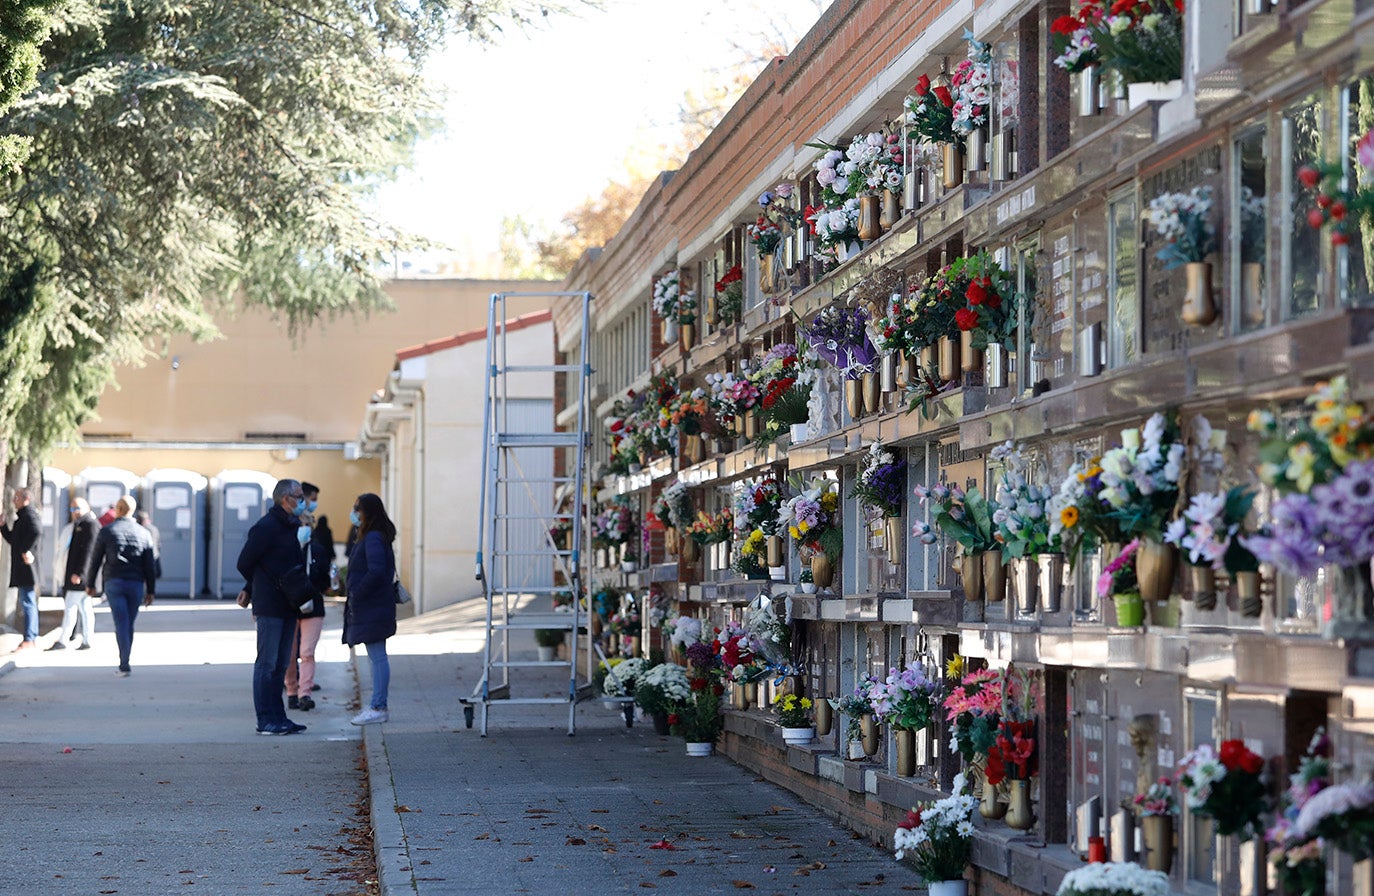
509	499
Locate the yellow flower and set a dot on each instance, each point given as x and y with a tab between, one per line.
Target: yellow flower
1301	459
1324	421
1270	473
806	703
830	501
1068	517
955	667
1259	421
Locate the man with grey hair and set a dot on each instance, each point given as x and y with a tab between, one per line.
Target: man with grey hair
123	558
23	539
85	528
270	554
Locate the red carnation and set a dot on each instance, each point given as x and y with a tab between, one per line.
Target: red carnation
1121	6
1340	238
617	426
673	718
1337	210
922	86
718	689
994	301
1065	25
1315	217
698	684
1309	176
942	94
976	293
1230	753
1323	200
966	318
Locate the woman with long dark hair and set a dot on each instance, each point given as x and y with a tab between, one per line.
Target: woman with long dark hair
370	610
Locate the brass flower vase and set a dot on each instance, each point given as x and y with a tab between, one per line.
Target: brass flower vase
776	554
737	698
887	373
971	571
825	717
952	159
751	693
694	449
822	571
971	359
1252	293
994	577
868	728
894	539
751	426
1251	603
892	210
870	209
930	358
949	358
691	551
905	740
1158	833
688	336
671	541
1020	814
1155	563
1199	307
991	807
1202	580
853	398
871	395
766	273
906	369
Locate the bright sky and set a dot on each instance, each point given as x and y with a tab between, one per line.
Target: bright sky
544	120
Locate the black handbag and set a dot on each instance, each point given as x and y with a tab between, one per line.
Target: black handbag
296	587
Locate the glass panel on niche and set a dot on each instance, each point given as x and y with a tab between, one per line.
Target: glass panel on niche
1250	241
1302	245
1123	278
1355	261
1202	710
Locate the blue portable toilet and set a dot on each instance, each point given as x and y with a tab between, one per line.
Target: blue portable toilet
238	499
175	500
103	486
54	517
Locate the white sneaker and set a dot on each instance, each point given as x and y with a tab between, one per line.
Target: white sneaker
370	716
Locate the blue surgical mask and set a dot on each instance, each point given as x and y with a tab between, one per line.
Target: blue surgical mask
311	506
300	507
354	518
303	535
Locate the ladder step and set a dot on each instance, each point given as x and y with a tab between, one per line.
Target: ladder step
533	623
533	589
531	701
532	664
540	368
497	555
537	440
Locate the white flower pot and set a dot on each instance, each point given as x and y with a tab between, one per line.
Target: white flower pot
699	749
947	888
798	735
799	432
1138	95
808	587
547	654
628	566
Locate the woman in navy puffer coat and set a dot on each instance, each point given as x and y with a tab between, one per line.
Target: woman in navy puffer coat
370	611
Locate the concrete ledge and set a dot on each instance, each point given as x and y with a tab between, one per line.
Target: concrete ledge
395	871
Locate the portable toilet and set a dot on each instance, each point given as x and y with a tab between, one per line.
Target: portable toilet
176	502
238	499
103	486
54	518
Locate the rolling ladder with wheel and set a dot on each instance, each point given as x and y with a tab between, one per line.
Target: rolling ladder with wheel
513	496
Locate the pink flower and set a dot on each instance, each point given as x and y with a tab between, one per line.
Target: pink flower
1364	151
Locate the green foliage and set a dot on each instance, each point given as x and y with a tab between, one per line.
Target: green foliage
548	637
699	719
23	28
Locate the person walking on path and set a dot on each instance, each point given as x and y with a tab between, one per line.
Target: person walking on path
370	608
76	613
23	539
144	519
300	671
270	552
123	555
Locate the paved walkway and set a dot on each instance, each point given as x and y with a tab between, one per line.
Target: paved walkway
167	784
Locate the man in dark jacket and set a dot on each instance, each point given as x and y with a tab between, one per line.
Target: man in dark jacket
85	528
272	549
123	558
23	539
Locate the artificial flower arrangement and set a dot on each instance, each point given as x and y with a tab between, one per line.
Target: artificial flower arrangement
730	297
1158	799
1118	576
1209	531
833	227
840	337
625	623
1114	879
1022	524
1342	815
699	719
740	652
793	711
908	699
990	300
1298	861
663	690
613	524
756	506
930	112
683	632
666	293
938	836
732	394
619	677
687	307
1254	220
674	505
784	383
1013	754
689	414
961	515
881	483
1142	40
974	709
812	518
772	637
776	206
1226	785
1183	221
857	704
764	236
870	164
751	558
971	86
711	528
1345	202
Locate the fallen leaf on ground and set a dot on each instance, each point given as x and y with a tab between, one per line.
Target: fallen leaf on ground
667	872
595	827
297	871
482	837
528	859
404	809
575	841
663	844
742	885
647	885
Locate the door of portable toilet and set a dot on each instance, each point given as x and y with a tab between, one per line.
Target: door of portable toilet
176	502
54	517
103	486
238	499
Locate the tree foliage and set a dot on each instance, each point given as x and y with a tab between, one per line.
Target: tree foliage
188	154
23	27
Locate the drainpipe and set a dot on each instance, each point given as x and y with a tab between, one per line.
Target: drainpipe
411	393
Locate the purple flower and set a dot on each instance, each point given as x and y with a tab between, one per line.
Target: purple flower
1356	482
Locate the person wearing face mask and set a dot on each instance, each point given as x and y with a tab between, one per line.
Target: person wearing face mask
370	609
300	671
270	551
84	529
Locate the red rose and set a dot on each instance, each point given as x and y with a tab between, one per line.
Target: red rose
994	301
673	718
1323	200
1340	238
966	318
1230	753
698	684
1252	763
942	94
1309	177
1337	210
976	294
718	689
995	770
1315	217
922	86
1121	6
1065	25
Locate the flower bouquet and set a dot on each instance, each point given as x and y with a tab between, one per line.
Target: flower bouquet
674	505
619	677
1349	206
1072	38
974	707
961	515
971	85
699	720
624	623
1118	578
711	528
881	483
1140	39
793	711
938	836
1298	860
756	507
666	293
834	227
613	525
1013	755
751	558
785	387
812	518
906	700
1114	879
1022	525
1157	800
689	414
764	236
1181	220
776	206
1226	785
989	299
930	113
730	297
1343	815
740	653
663	690
1208	528
732	394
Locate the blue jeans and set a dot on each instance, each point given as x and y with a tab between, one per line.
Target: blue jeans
381	672
124	596
276	637
28	599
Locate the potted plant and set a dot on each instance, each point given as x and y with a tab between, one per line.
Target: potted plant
794	715
699	720
661	693
1182	221
548	640
937	838
1114	879
805	581
1118	581
907	701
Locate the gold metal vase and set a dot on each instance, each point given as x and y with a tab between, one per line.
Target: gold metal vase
1020	814
1155	563
688	335
775	548
906	369
1158	833
971	571
1199	307
930	358
1248	597
751	426
892	210
853	398
671	541
694	448
871	394
949	358
970	358
766	273
822	571
691	551
870	209
991	807
952	157
868	729
994	577
894	539
825	717
905	740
